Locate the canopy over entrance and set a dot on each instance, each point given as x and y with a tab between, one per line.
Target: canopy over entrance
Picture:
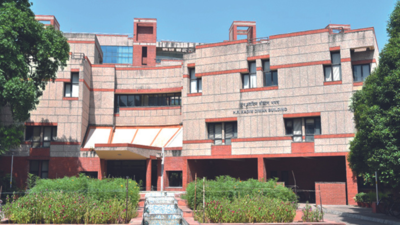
123	143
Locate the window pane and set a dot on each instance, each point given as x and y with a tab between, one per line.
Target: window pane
46	144
274	79
192	74
218	131
253	82
75	78
266	66
336	73
309	138
228	141
268	79
228	130
335	58
123	101
137	100
246	81
36	133
45	166
75	90
193	86
365	71
34	167
211	131
289	127
131	100
200	85
297	127
28	133
252	67
317	126
328	73
46	133
67	90
297	139
309	126
152	100
357	73
54	134
44	175
145	100
218	142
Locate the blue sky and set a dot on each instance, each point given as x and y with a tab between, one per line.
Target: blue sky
208	21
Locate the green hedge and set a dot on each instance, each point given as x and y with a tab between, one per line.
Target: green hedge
98	189
229	188
75	200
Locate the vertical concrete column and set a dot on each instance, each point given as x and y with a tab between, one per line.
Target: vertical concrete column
185	173
102	173
158	174
261	169
351	184
148	174
259	74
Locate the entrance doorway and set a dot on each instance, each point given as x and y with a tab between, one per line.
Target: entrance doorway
134	169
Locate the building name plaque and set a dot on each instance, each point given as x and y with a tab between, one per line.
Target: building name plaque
259	107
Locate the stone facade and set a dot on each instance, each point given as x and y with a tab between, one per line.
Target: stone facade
260	112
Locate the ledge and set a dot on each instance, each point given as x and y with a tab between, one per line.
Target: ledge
195	94
226	119
332	82
260	89
197	141
150	108
70	98
295	115
358	83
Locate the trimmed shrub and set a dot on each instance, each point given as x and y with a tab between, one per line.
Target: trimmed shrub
225	187
75	200
248	209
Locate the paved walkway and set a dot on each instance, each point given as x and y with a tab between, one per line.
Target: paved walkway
353	215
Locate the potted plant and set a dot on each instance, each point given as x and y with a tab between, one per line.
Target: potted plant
361	198
358	199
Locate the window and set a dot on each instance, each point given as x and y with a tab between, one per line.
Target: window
117	54
72	89
270	77
39	168
313	126
333	72
170	99
90	174
360	72
274	174
294	128
41	136
195	82
175	178
144	55
250	80
215	132
285	177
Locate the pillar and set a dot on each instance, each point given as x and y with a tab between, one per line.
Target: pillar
148	174
158	174
261	169
351	184
185	174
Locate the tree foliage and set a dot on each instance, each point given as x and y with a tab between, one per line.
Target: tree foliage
376	146
30	55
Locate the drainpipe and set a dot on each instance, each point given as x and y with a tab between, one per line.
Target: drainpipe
162	169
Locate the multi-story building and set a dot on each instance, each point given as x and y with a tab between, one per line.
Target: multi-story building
252	108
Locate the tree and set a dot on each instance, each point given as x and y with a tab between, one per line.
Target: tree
376	146
30	55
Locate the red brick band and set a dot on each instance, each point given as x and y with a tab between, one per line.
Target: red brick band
74	70
363	61
345	60
300	64
333	136
358	83
159	90
333	82
262	139
257	57
296	115
150	108
221	44
149	68
191	65
226	119
298	33
39	124
222	72
336	48
194	94
260	89
70	98
197	141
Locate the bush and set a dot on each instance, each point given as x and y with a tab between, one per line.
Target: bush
360	197
310	215
63	208
75	200
248	209
98	189
229	188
